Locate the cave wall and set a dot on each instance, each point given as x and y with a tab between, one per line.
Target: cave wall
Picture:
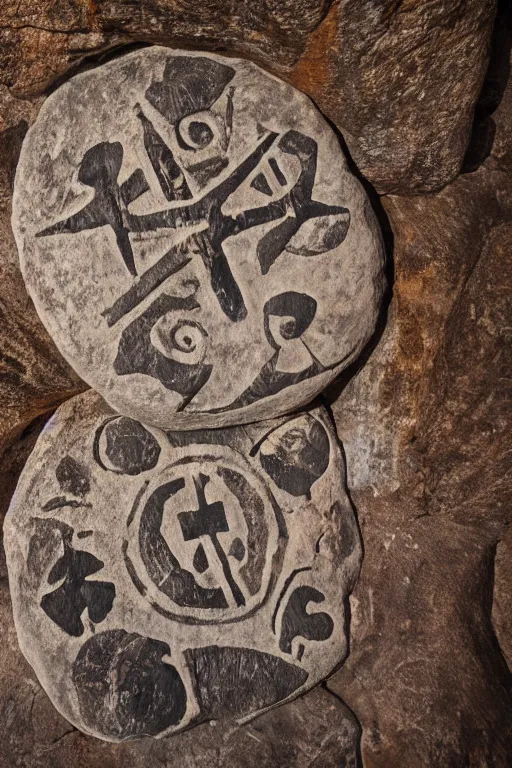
421	97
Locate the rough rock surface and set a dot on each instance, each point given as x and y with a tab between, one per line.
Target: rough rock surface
401	84
161	203
398	79
502	604
33	376
13	459
425	676
215	591
426	429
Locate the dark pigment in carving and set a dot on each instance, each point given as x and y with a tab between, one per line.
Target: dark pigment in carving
236	565
162	566
209	520
233	682
73	477
286	318
257	534
125	688
296	455
106	210
194	164
66	604
297	622
130	447
298	201
100	169
189	85
60	502
168	172
137	353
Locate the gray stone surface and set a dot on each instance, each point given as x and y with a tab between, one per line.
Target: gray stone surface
163	579
193	240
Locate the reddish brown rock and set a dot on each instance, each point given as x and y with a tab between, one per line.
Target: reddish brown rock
426	428
502	605
399	80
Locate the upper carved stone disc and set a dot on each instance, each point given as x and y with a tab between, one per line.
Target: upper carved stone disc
193	241
161	579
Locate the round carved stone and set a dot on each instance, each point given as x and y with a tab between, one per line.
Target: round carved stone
193	240
163	579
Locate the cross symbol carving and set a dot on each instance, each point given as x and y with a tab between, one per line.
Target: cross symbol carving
210	520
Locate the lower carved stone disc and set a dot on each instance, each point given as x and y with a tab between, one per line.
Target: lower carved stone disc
163	579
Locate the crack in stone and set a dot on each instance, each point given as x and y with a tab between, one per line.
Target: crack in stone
53	30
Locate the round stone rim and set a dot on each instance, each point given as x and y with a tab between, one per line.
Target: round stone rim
157	407
138	567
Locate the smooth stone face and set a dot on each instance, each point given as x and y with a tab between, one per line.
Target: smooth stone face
193	240
160	580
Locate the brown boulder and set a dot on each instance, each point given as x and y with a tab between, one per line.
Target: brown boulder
426	428
399	80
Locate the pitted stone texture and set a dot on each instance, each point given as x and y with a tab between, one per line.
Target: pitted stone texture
164	579
193	241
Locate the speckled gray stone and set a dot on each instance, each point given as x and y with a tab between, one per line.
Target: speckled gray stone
164	579
193	240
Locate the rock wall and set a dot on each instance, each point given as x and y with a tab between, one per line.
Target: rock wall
427	118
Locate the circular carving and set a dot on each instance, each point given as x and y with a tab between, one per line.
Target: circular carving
198	130
205	538
125	446
162	202
205	579
184	341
